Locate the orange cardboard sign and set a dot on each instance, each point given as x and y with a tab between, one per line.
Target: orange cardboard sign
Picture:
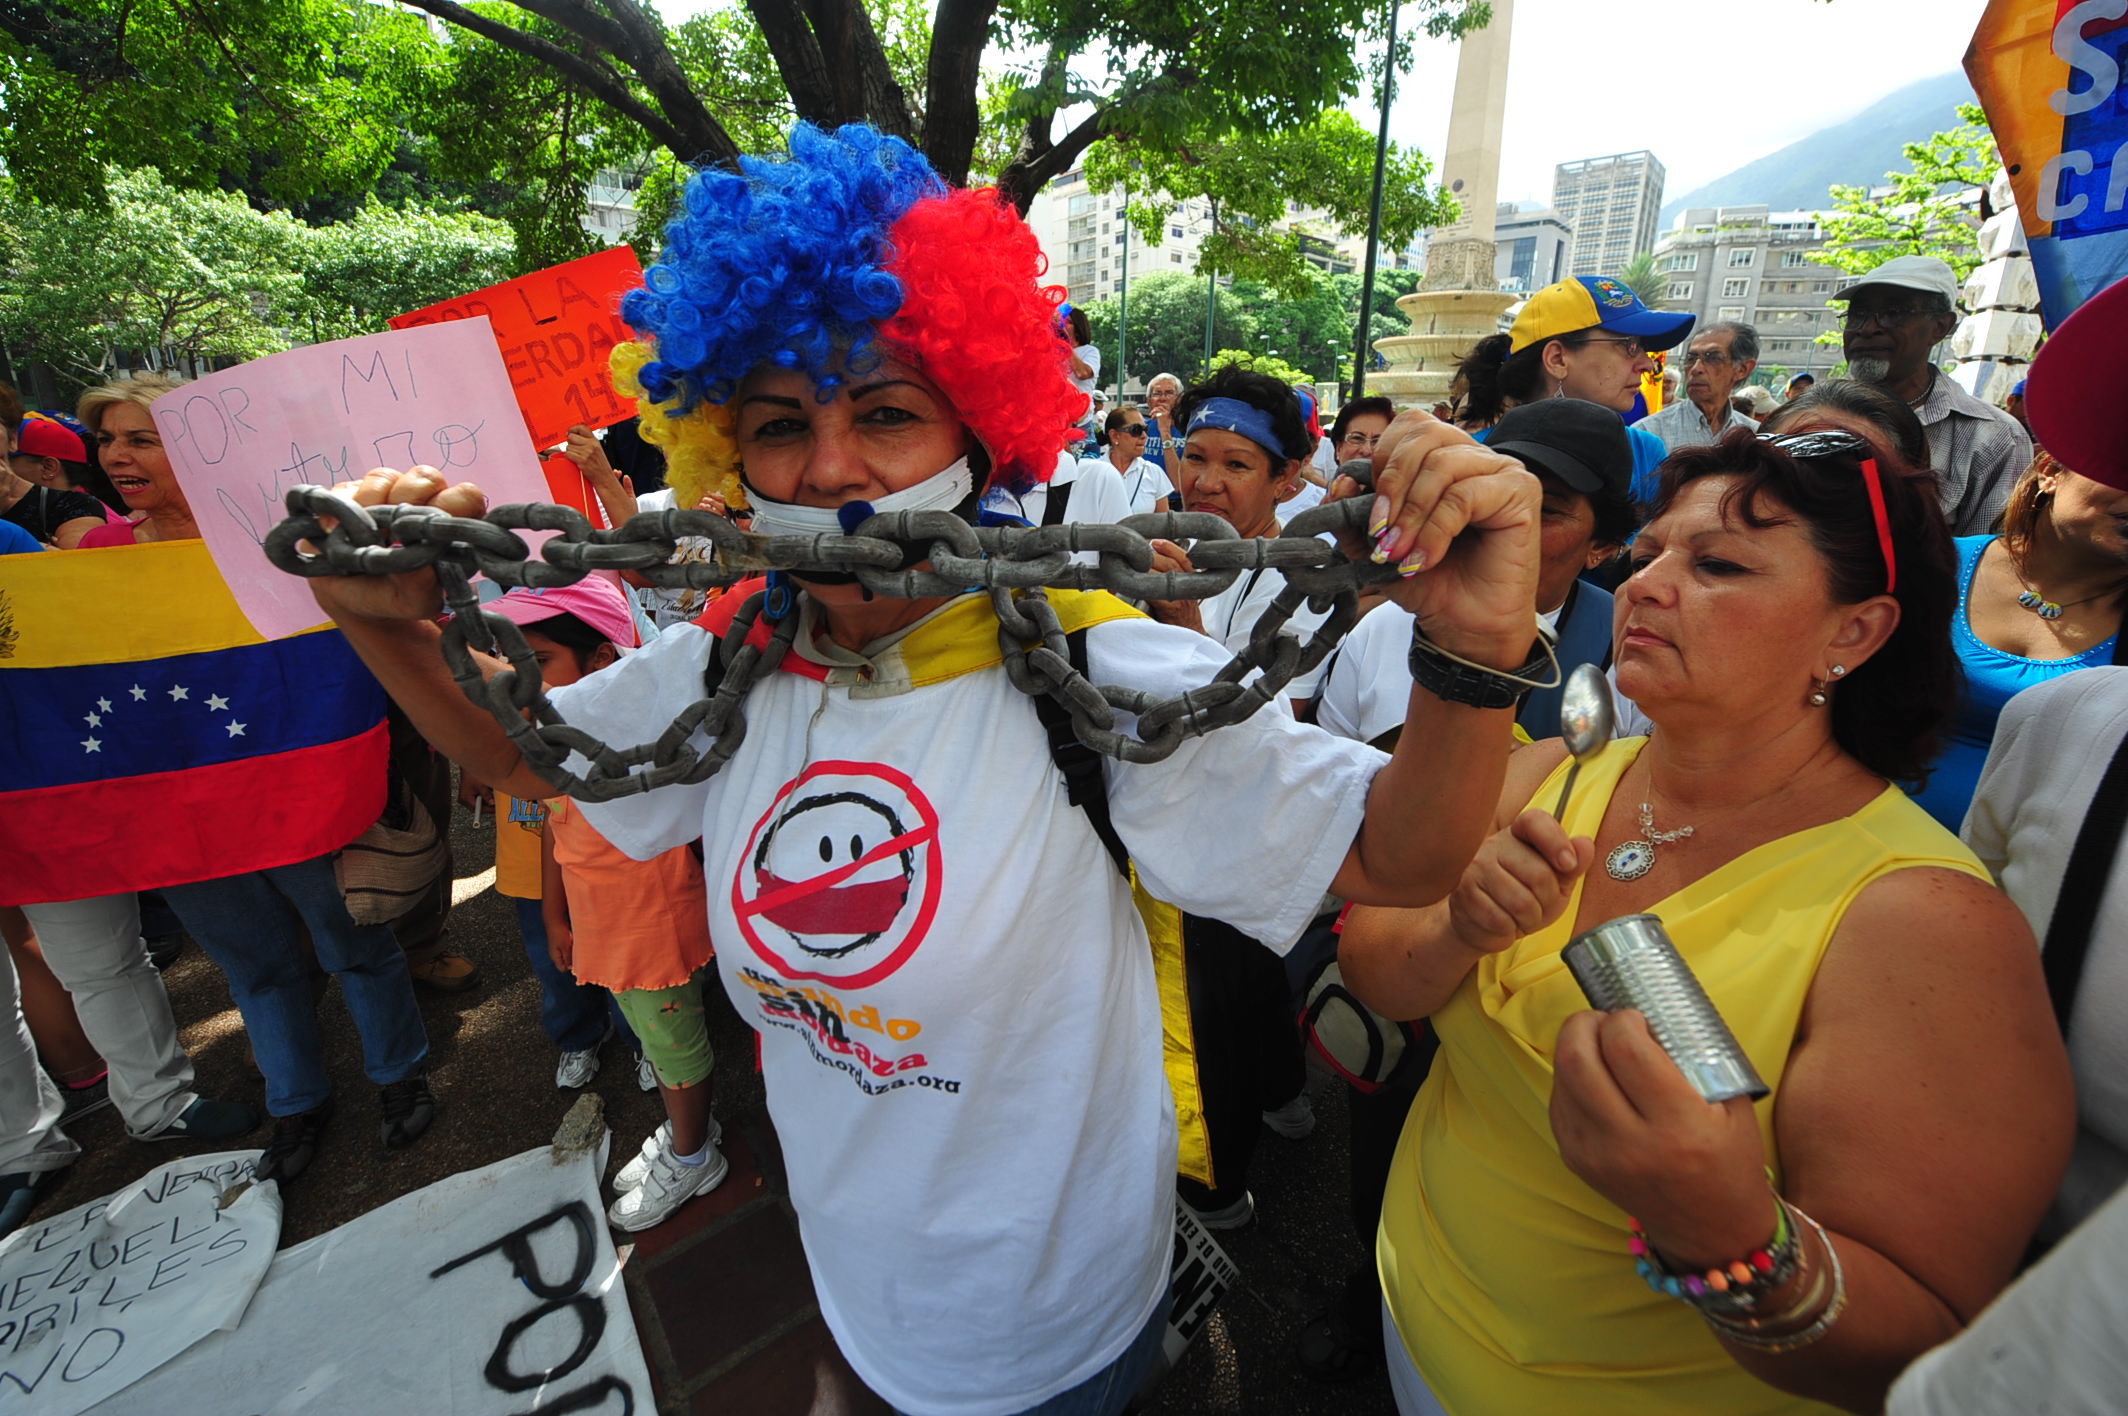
556	328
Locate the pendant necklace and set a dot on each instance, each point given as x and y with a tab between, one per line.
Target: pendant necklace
2048	609
1632	859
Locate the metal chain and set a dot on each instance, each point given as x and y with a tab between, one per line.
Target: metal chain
1015	565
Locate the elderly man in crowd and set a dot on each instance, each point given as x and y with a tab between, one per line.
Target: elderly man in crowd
1720	357
1896	315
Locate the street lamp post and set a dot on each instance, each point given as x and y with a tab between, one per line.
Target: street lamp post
1374	219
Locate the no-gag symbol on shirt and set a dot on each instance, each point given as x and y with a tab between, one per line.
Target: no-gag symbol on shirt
841	875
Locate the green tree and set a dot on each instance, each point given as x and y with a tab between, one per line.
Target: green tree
1926	212
177	275
1251	180
1166	328
1640	276
323	85
1270	364
356	274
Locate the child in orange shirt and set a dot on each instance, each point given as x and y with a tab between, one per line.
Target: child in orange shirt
637	928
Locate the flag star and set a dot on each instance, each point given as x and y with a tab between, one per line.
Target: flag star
140	695
94	720
180	691
91	745
236	730
103	705
216	703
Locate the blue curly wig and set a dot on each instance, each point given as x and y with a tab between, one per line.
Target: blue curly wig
851	249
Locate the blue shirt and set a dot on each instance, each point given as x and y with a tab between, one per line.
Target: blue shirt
1992	679
14	540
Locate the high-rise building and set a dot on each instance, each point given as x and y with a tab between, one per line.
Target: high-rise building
1613	203
1530	248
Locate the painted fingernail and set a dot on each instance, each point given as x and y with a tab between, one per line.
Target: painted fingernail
1412	564
1378	520
1380	556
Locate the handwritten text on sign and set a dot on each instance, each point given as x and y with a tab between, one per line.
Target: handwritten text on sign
556	329
495	1292
239	439
97	1298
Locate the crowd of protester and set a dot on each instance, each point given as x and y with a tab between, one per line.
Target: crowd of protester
1838	634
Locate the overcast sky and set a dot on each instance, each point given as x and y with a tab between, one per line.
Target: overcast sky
1721	81
1725	81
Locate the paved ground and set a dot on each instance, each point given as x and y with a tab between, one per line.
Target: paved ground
720	1292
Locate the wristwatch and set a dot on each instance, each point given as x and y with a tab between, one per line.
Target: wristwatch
1453	680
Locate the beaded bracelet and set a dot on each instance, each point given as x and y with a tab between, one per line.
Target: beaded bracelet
1735	1287
1751	1334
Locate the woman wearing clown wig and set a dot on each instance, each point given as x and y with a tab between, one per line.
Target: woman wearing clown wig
959	1026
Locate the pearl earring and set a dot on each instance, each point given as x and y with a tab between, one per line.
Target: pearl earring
1817	697
1839	670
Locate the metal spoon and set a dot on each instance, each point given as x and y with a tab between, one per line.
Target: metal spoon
1586	719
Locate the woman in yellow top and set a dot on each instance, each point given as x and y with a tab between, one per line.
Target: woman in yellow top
1786	629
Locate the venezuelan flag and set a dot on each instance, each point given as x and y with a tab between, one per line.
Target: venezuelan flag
149	736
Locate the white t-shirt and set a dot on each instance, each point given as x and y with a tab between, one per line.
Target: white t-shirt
1367	689
1097	494
2052	744
2051	1342
960	1033
1325	459
1090	354
668	607
1145	486
1308	496
1231	615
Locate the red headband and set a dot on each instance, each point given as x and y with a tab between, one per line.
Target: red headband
1884	523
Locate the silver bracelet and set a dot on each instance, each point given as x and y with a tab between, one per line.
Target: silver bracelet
1747	1337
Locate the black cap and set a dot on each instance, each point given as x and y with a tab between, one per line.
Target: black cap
1582	444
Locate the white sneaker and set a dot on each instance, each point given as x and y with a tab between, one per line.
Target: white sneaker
576	1069
1234	1216
666	1186
646	1076
1293	1120
631	1174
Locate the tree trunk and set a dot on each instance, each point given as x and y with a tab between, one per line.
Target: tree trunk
952	118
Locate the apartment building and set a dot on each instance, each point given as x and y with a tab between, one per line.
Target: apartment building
1533	247
1760	266
1613	204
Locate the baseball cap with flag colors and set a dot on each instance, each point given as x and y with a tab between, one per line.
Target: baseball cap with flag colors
596	601
1587	302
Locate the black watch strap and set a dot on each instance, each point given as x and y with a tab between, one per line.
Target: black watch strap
1453	681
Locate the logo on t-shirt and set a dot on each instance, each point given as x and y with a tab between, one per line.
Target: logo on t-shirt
840	878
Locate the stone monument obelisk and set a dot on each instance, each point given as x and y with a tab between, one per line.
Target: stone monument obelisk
1459	302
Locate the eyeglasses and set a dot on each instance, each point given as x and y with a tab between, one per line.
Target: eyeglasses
1627	343
1803	446
1890	317
1704	356
1362	442
1136	430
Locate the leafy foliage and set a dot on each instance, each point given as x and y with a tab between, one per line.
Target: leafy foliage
1250	180
1313	333
1270	364
1923	215
1640	276
183	277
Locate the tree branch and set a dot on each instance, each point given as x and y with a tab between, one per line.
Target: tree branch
1033	170
595	78
798	59
651	57
952	118
581	20
866	90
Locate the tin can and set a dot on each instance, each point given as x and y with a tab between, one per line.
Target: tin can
1631	962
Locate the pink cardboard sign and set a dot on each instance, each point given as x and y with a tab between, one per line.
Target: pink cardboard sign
238	440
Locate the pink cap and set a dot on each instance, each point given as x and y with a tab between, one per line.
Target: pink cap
595	600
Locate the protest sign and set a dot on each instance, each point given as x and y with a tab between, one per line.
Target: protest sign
2048	73
492	1293
1199	1275
556	329
239	439
97	1298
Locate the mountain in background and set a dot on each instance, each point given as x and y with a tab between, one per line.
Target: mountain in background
1857	151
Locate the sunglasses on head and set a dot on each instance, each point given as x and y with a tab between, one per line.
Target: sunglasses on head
1803	446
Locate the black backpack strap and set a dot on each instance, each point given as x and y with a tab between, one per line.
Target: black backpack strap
2083	886
1085	785
1058	500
